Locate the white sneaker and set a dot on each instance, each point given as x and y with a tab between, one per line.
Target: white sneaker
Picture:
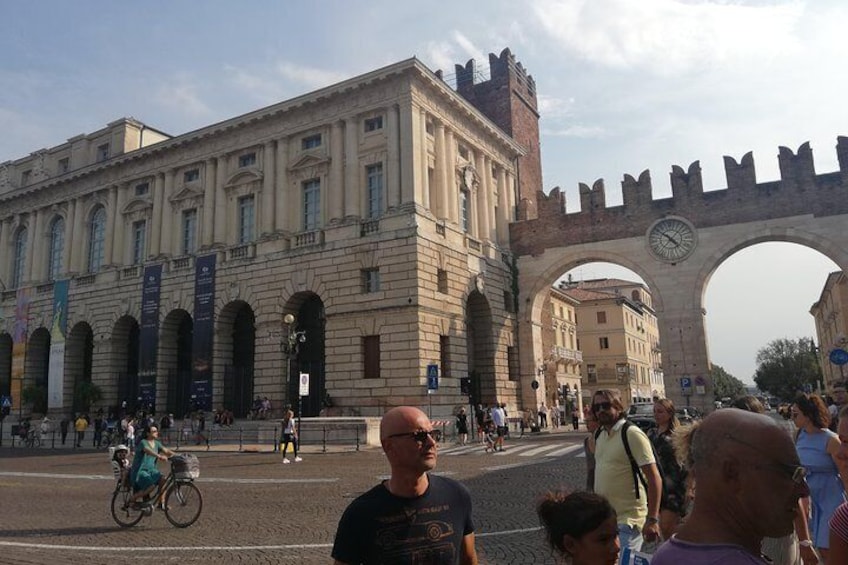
297	459
286	460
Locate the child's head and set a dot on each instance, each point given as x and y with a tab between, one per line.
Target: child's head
121	452
580	525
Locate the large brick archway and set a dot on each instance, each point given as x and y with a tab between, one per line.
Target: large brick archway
802	208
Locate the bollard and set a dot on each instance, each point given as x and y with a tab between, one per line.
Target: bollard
324	439
357	438
241	438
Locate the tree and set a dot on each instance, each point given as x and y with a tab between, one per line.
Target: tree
786	366
37	396
86	394
725	385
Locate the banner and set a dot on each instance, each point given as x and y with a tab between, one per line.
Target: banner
19	344
204	328
58	331
148	331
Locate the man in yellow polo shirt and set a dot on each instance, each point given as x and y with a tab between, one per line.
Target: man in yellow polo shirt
638	507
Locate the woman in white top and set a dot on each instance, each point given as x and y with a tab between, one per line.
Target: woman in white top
289	436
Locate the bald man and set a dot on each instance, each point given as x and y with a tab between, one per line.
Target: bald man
413	517
748	481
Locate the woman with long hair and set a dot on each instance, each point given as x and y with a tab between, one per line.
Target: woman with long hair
289	436
581	527
673	502
818	450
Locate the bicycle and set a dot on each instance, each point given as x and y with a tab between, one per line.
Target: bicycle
33	438
183	501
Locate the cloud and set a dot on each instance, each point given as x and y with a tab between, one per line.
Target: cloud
671	36
553	107
182	94
310	77
578	131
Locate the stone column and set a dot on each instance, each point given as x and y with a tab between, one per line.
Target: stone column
392	158
156	220
452	200
210	178
268	181
78	252
167	212
118	250
4	255
411	185
282	187
33	244
220	203
502	222
441	178
352	188
424	165
335	195
483	192
69	238
111	223
510	196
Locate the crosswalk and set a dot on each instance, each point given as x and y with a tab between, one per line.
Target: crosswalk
548	449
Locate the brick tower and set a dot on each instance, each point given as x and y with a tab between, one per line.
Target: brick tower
508	98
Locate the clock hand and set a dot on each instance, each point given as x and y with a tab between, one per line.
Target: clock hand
671	239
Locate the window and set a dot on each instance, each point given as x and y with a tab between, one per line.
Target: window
57	246
373	124
26	177
592	373
603	342
463	152
509	302
142	188
602	317
139	237
370	280
444	355
191	176
102	152
371	356
374	175
189	231
19	259
512	363
247	160
442	281
312	205
64	165
246	219
431	128
310	142
96	239
463	210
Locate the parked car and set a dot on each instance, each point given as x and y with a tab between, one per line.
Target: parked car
642	414
688	414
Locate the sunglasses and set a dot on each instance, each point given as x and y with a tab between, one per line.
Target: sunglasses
601	406
419	436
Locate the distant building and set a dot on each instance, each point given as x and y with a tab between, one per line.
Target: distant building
561	366
830	313
619	339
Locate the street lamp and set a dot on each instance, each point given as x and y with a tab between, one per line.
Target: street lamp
291	347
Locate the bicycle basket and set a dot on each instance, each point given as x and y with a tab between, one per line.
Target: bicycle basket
185	466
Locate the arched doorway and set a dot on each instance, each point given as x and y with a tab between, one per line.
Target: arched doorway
5	364
481	348
175	360
309	356
237	338
125	360
78	363
36	367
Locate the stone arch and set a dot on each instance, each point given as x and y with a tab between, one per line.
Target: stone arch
236	344
480	348
310	317
174	366
123	362
79	354
37	364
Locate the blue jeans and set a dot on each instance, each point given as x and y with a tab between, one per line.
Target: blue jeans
629	536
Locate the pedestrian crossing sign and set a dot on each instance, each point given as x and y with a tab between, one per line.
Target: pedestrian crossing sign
6	401
432	377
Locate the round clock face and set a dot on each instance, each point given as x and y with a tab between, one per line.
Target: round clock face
672	239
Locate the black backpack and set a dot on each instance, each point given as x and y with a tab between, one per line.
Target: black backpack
638	476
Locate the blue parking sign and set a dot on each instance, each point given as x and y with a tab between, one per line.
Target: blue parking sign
432	377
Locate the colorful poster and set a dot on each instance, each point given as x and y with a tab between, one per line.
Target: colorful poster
19	343
58	331
148	331
204	327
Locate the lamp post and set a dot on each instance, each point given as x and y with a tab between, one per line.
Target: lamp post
291	346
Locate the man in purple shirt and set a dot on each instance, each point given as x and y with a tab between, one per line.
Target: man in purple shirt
748	482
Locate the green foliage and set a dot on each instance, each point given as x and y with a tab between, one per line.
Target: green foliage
724	384
37	396
86	394
785	366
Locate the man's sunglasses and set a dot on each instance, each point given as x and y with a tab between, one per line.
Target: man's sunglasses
420	436
597	407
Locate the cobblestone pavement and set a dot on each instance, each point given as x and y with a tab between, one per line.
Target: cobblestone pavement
55	504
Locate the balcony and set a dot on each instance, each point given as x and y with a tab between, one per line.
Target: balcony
181	264
132	272
86	280
472	243
564	355
368	227
307	239
241	252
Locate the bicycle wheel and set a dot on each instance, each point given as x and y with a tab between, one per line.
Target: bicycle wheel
122	509
183	504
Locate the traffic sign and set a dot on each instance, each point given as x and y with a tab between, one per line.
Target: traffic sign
685	382
839	356
432	377
304	384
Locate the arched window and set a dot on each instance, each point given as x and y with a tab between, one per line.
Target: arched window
19	263
97	237
57	247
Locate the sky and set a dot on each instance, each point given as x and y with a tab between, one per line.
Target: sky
623	86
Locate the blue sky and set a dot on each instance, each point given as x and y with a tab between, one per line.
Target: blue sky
623	86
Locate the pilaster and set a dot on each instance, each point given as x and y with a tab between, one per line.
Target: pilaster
268	181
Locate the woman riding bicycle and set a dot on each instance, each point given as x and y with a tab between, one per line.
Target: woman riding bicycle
145	475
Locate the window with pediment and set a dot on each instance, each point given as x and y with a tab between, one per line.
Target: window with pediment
312	204
96	239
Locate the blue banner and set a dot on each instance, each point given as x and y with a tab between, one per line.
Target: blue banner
148	334
204	327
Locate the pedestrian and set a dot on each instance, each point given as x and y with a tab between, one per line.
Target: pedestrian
673	501
98	429
827	474
838	550
543	415
462	426
165	426
43	430
840	400
480	416
589	450
289	437
129	433
64	424
626	475
80	425
555	415
748	481
581	526
413	516
575	419
499	420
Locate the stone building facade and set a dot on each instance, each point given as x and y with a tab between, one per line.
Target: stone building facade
375	211
830	313
560	369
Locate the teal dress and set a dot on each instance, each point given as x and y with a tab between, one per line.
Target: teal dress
144	471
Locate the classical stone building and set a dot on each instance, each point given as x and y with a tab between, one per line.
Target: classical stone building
560	369
618	336
830	313
375	212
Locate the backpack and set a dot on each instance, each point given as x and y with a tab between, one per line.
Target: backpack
638	476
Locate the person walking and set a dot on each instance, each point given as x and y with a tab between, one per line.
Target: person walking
575	419
589	450
838	550
289	437
543	415
673	501
462	426
64	425
499	421
80	425
413	516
